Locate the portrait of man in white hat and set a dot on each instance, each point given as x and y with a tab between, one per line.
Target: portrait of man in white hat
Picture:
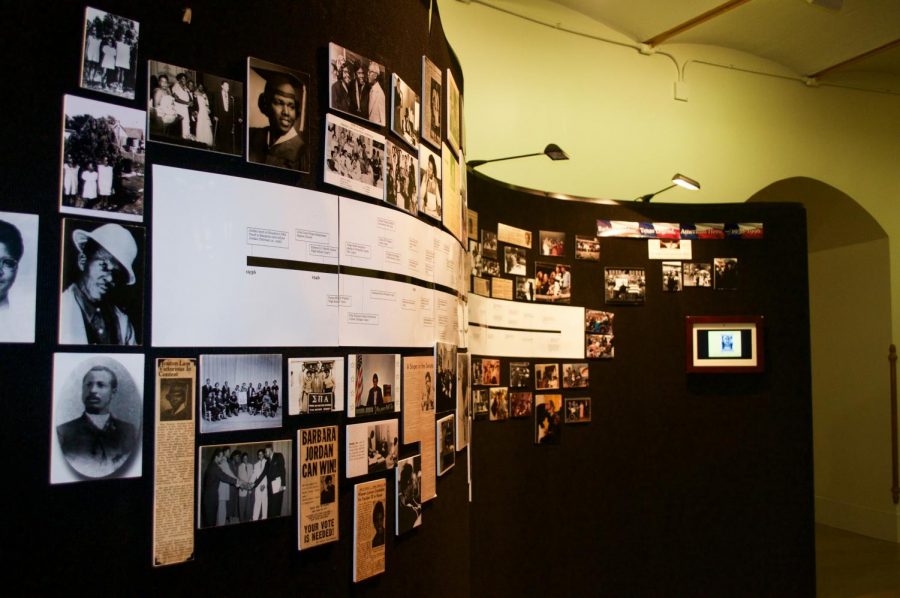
100	263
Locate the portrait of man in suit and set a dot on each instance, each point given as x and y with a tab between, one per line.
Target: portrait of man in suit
227	118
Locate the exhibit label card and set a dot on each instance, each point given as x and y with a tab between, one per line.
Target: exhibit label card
369	510
173	480
318	474
253	249
513	235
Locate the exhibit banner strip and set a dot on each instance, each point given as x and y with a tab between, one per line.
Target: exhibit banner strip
667	230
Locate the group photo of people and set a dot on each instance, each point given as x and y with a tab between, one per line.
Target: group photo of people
598	322
356	85
499	409
402	179
587	248
599	346
546	375
240	392
109	57
576	375
552	243
486	372
352	153
103	159
246	482
194	109
625	285
552	283
697	274
578	410
314	384
519	404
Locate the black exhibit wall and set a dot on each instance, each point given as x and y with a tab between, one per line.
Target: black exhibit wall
682	484
98	534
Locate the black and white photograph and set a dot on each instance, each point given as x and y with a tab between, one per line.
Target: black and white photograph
102	292
671	277
598	322
354	157
697	274
103	160
669	249
193	109
454	118
515	260
240	392
489	243
524	288
485	372
408	514
547	419
356	85
404	111
481	403
471	223
277	116
316	385
726	273
373	383
587	248
520	404
402	185
625	286
477	261
372	447
452	205
519	374
499	410
599	346
109	53
176	399
98	403
576	375
249	481
18	276
546	376
552	283
430	189
578	410
553	243
445	375
446	443
490	267
432	94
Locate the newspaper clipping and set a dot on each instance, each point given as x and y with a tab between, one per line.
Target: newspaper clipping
418	417
318	475
369	499
173	493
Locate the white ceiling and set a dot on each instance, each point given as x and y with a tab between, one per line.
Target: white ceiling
806	38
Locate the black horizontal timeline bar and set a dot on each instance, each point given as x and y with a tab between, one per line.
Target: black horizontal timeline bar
510	329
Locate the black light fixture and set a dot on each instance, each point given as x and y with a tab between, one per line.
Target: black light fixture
679	180
552	151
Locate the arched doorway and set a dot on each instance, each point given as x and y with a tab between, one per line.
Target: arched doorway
850	332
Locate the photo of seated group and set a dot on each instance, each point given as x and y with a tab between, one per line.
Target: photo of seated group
240	392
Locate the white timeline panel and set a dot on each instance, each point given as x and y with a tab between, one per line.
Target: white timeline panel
515	329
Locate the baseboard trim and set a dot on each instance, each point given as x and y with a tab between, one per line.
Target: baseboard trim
875	523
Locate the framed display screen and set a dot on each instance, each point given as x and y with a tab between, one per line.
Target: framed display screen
724	344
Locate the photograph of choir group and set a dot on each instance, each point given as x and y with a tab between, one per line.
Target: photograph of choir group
240	392
354	157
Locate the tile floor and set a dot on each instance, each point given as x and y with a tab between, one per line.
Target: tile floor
851	565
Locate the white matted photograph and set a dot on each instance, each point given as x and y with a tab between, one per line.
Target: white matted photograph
356	85
546	376
102	291
354	157
481	401
98	402
587	248
240	392
102	170
432	86
109	53
446	443
277	119
193	109
669	249
404	111
454	137
625	286
515	260
524	288
402	185
316	385
18	276
430	202
373	383
372	447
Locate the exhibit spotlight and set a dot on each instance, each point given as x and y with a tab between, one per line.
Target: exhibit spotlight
679	180
552	151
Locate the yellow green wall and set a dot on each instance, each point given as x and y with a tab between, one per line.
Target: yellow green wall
612	109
